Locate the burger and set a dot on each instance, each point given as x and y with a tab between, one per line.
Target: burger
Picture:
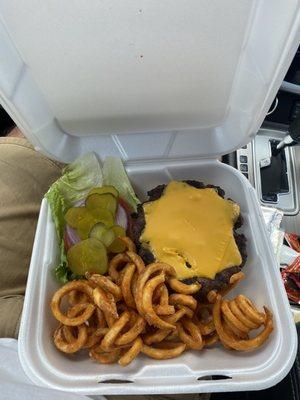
192	227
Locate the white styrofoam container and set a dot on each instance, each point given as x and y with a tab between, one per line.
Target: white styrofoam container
168	86
192	371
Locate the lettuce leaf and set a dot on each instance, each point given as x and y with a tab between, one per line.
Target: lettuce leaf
62	271
114	174
77	180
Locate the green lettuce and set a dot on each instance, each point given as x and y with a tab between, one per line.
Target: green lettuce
77	180
114	174
62	271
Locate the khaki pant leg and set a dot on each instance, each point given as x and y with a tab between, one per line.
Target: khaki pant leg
25	176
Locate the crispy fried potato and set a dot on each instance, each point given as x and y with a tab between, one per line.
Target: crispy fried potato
106	284
183	288
87	309
146	309
109	339
119	261
150	315
73	343
160	353
183	299
104	357
241	344
105	301
132	333
189	333
132	353
145	276
126	285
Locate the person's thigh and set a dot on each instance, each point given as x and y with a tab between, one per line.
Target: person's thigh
25	176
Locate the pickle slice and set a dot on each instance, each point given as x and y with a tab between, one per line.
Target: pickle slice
105	189
74	215
103	216
119	230
117	246
105	201
103	233
88	256
85	225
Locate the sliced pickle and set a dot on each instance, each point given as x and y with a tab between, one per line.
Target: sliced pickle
119	230
104	216
105	189
103	233
105	201
117	246
85	225
88	256
74	215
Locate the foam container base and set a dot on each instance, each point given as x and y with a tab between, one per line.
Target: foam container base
211	370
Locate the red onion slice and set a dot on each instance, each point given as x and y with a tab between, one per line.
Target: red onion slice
79	203
71	236
121	217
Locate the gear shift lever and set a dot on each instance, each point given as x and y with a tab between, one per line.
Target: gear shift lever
292	138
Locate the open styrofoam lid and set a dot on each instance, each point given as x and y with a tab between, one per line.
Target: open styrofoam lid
143	79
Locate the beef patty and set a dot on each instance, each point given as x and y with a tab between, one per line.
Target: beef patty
222	278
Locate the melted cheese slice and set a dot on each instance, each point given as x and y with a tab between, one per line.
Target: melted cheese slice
192	230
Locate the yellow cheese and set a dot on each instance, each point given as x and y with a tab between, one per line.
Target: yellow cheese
192	230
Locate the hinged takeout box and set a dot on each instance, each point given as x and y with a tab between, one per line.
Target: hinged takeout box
168	86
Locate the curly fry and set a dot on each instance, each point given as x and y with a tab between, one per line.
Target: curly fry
247	307
94	330
94	336
106	284
233	331
164	310
177	316
109	339
233	305
104	357
126	284
230	341
118	261
210	340
136	260
105	301
110	320
164	353
151	317
232	318
182	288
75	344
131	354
143	278
157	336
97	328
189	333
184	299
212	296
66	289
129	243
131	311
233	281
132	333
76	297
